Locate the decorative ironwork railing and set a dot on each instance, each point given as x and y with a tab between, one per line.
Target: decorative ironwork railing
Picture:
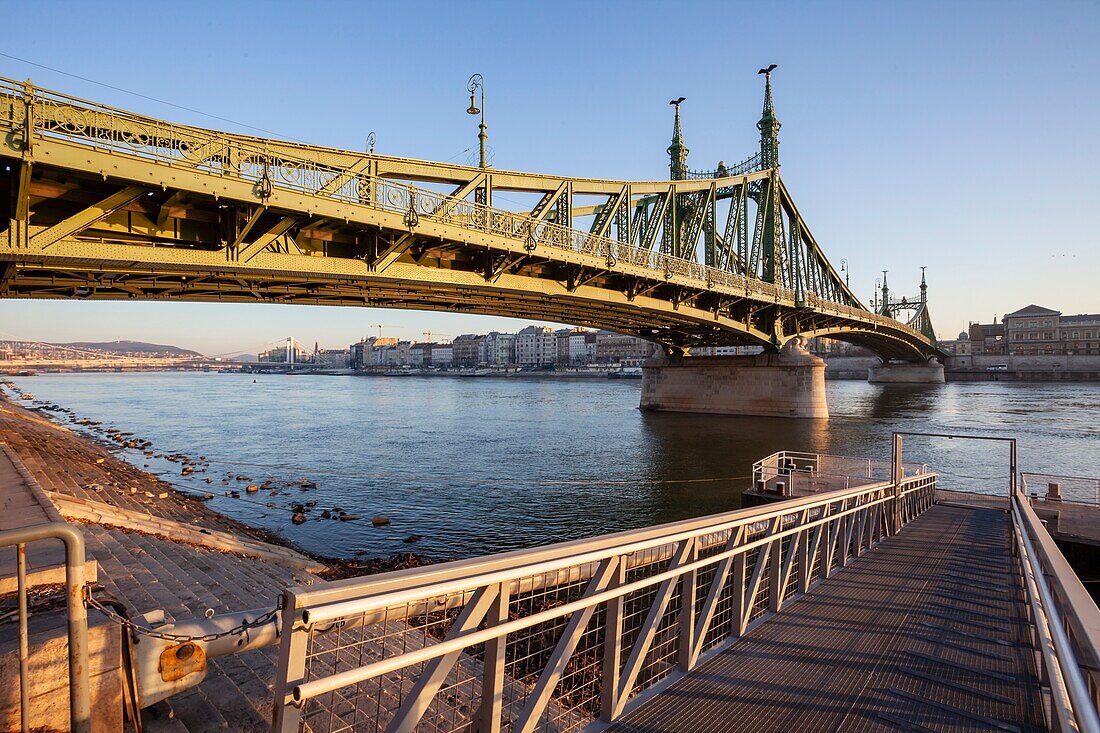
268	165
555	638
748	165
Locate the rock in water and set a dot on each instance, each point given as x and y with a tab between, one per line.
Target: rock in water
380	521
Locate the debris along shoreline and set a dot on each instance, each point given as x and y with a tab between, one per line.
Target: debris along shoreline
86	459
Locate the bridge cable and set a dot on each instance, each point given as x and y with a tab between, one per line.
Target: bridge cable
151	99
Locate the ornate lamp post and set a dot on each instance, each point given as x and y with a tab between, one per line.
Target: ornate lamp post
476	84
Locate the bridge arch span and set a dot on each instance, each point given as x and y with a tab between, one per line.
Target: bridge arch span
887	345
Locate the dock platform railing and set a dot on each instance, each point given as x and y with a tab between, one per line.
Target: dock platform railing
797	473
565	636
1074	489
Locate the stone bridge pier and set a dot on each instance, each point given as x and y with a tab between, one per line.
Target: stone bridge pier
790	383
927	372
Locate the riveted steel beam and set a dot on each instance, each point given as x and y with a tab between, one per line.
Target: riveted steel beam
84	219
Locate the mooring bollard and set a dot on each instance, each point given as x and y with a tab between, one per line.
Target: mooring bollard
1054	491
781	488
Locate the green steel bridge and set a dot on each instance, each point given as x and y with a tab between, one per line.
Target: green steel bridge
108	204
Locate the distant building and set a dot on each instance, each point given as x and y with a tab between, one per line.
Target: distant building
536	346
956	347
396	355
467	350
617	348
1037	330
332	358
357	355
290	351
987	338
725	350
498	349
420	355
442	355
579	351
562	337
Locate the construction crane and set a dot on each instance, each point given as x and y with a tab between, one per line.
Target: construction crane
428	335
381	326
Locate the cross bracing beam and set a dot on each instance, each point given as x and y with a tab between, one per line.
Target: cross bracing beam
87	217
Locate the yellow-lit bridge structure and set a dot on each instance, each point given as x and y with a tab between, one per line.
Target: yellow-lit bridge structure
108	204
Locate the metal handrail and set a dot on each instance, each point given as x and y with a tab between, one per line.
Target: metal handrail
80	711
1068	619
1056	478
846	518
550	558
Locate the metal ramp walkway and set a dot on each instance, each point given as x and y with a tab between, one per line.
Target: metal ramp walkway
928	632
869	607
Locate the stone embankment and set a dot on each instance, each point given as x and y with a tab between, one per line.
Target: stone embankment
157	548
178	572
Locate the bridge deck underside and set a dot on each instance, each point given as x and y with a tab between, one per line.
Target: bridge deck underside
927	632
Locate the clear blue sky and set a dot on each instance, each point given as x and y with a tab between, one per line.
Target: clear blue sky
961	136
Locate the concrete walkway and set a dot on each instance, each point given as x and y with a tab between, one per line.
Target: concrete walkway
148	572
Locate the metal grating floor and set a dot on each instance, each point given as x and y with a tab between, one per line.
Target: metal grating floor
927	632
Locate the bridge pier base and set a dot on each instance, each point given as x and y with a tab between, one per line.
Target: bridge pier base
790	383
929	372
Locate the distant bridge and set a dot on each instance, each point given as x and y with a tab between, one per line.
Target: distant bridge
108	204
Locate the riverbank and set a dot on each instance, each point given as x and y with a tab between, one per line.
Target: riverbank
89	466
157	548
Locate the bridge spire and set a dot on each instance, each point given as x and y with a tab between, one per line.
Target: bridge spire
677	151
923	287
768	124
885	295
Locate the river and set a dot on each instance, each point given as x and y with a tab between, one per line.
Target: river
468	466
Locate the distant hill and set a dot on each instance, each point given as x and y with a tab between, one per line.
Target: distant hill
130	347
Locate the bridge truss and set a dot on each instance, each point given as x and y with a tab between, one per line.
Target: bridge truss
108	204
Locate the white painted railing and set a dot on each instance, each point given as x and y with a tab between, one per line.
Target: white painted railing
560	637
1077	489
1065	623
802	473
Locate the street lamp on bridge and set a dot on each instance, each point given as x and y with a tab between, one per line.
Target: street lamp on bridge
475	85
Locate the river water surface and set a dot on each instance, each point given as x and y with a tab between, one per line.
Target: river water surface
469	466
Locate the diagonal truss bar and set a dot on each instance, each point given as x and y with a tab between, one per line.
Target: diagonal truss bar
633	666
345	176
528	719
435	672
546	203
762	559
261	242
22	192
717	586
84	219
256	214
391	254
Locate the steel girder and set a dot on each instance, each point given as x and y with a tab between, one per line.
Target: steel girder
112	205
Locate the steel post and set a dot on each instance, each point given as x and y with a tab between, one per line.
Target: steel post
24	655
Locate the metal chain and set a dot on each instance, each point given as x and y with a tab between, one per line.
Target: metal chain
136	628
